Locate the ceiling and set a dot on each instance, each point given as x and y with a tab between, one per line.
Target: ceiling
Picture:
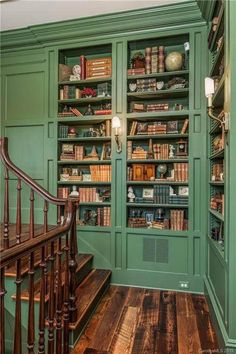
23	13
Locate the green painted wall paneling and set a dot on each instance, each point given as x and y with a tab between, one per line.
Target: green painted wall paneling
151	258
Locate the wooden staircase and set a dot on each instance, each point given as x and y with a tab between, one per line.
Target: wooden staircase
56	289
91	285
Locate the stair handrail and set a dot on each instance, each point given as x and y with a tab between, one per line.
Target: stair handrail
26	178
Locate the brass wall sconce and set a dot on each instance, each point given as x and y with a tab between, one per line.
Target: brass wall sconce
116	125
223	117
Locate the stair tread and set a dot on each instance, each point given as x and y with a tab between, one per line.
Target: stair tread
87	291
83	259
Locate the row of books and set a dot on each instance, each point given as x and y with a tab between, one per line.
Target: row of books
100	173
217	172
217	202
69	92
88	194
168	127
181	172
177	220
104	216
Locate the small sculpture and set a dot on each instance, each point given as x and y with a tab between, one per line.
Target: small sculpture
131	195
74	193
171	151
89	111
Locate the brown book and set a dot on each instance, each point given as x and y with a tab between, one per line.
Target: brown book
185	126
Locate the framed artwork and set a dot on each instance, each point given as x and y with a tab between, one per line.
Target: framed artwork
149	217
75	172
86	177
183	191
172	127
148	193
142	128
106	151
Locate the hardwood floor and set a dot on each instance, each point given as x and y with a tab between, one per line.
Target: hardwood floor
146	321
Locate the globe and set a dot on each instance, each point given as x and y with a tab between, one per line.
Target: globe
162	169
174	61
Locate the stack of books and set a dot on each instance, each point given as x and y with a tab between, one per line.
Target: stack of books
178	199
157	128
138	71
137	222
63	192
152	107
146	85
67	152
139	153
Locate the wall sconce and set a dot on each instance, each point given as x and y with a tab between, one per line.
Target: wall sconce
209	92
116	126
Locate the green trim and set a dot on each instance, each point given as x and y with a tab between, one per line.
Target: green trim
180	15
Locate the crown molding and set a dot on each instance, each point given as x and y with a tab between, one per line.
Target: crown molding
162	17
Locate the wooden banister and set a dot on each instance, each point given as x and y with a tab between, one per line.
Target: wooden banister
55	245
24	177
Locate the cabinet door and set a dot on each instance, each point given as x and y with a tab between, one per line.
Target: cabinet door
138	172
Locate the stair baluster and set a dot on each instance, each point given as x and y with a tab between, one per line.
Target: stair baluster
51	305
66	313
17	331
2	311
18	213
72	268
59	300
6	212
31	324
43	266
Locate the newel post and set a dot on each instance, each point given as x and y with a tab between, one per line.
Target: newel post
73	203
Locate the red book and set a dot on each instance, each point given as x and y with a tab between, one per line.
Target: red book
83	67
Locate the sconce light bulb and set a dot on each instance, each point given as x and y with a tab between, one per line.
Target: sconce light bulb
209	87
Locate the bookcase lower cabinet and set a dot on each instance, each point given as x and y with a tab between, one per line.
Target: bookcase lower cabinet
84	167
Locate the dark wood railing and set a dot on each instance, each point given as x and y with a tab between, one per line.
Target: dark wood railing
56	248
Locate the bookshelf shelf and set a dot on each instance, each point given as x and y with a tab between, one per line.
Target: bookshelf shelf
218	98
218	247
217	155
160	115
176	93
78	162
156	161
85	100
157	182
154	205
217	60
159	75
95	203
85	82
84	119
220	184
160	136
84	183
217	214
84	139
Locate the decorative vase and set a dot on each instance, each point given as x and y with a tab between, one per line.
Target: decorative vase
174	61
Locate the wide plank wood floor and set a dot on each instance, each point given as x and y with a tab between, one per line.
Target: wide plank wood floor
146	321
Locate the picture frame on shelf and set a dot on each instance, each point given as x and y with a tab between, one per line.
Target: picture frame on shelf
172	127
106	151
87	177
149	217
148	194
74	171
183	190
142	128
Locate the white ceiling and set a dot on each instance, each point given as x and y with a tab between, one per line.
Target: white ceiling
23	13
